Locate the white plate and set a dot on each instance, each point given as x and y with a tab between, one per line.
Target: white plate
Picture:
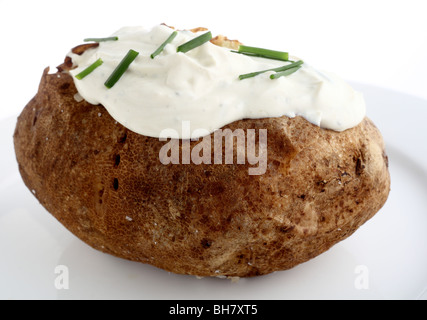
385	259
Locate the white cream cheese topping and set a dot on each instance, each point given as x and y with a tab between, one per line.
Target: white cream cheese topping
202	87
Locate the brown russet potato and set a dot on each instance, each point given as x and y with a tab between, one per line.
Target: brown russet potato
107	186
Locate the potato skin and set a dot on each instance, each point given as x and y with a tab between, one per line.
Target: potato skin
107	186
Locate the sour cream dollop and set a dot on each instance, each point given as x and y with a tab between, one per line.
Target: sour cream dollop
202	87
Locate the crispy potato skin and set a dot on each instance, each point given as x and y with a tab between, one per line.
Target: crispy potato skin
107	186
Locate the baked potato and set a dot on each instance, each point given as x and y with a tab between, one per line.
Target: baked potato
107	186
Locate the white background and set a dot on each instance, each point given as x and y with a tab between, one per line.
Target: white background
383	43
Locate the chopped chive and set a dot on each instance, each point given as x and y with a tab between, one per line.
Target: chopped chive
89	69
285	73
194	43
257	55
101	39
279	69
121	68
266	53
163	45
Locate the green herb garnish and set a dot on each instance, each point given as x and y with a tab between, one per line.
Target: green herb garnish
101	39
162	46
89	69
256	55
265	53
279	69
285	73
194	43
121	68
